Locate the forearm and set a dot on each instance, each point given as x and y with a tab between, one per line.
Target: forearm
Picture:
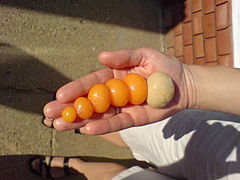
213	88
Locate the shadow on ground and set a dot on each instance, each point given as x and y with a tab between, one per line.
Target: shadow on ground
128	13
9	171
22	76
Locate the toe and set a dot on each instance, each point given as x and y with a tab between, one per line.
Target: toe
35	166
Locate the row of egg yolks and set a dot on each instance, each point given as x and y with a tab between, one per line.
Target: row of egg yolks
116	92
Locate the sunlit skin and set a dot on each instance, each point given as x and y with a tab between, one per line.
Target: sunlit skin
69	114
119	92
137	87
99	95
84	107
143	61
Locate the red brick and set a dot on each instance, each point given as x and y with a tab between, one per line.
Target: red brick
220	1
212	63
208	6
188	54
224	41
209	25
178	29
210	49
178	45
170	39
199	61
170	51
178	24
187	33
230	12
225	60
197	23
222	16
180	59
196	5
187	11
198	46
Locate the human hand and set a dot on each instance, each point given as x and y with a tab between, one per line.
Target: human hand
143	61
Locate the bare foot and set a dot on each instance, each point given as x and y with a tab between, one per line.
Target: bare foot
58	167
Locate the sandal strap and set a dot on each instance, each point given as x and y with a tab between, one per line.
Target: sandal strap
65	165
40	165
49	166
46	165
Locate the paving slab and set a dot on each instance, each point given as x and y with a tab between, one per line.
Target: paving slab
43	45
83	145
22	133
22	136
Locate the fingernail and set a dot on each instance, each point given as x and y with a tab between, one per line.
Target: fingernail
47	122
48	119
83	130
77	131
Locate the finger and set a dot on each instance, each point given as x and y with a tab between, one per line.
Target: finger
112	124
54	109
131	116
80	87
61	125
122	58
47	122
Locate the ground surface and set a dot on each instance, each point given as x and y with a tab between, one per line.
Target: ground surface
45	44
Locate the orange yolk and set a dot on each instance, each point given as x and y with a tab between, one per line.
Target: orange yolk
119	92
99	95
137	87
69	114
84	107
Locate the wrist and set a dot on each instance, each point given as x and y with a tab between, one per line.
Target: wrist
190	86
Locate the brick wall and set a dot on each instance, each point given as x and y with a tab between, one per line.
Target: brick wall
199	31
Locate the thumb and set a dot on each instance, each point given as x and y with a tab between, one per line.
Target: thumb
121	59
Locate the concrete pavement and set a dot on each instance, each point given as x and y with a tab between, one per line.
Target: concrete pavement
45	44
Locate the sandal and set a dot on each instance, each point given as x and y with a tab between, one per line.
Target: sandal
41	167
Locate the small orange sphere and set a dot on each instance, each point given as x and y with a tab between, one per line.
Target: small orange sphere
84	107
119	92
137	87
99	95
69	114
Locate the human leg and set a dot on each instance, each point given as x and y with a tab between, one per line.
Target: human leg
137	173
54	167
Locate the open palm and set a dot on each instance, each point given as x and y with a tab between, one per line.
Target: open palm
143	61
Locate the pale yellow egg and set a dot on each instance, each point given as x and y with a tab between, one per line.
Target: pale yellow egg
160	90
